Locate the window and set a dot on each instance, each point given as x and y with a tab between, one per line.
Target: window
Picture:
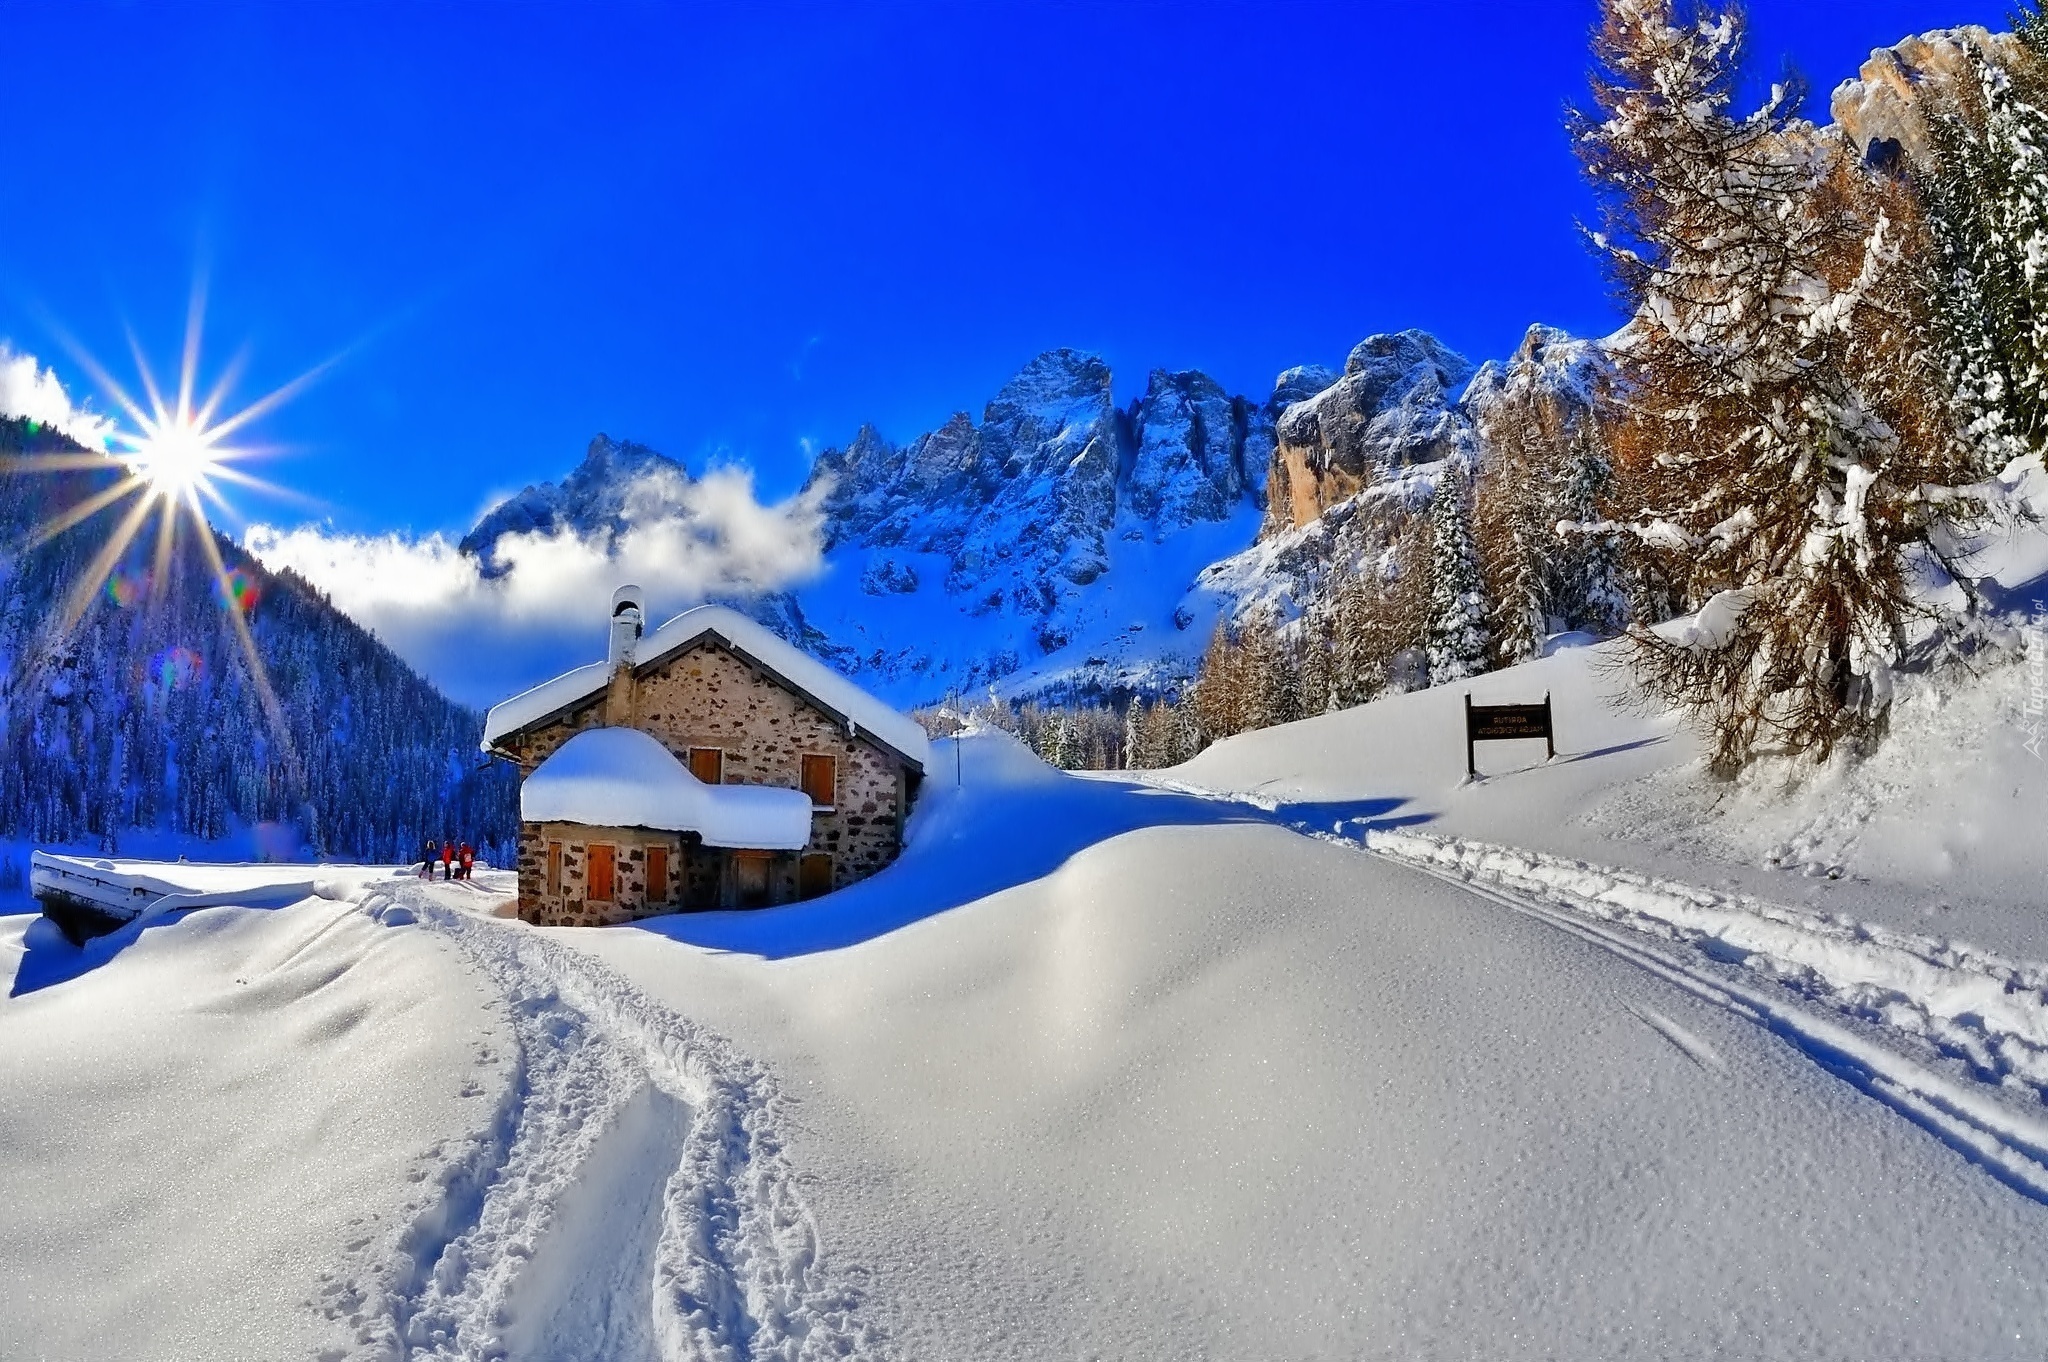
814	878
554	868
821	780
657	874
750	878
598	884
708	764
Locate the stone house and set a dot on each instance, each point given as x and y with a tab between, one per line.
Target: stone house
706	765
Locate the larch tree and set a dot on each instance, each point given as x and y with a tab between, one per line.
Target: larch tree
1784	449
1514	520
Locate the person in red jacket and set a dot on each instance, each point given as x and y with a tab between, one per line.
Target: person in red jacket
468	859
447	860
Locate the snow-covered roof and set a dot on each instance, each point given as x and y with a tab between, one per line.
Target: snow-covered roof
827	688
623	778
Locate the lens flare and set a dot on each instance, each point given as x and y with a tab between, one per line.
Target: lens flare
240	592
167	462
176	668
127	589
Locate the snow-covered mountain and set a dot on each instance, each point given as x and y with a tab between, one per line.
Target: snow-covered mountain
1048	545
1064	544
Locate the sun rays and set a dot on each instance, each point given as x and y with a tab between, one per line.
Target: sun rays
169	458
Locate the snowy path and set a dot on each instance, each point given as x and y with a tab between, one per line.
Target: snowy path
631	1201
1950	1036
1979	1025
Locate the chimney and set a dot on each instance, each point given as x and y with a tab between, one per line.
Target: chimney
626	626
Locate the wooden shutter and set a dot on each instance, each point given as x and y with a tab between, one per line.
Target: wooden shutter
554	868
598	885
708	764
657	874
821	780
814	878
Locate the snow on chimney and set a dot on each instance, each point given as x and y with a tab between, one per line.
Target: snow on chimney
627	622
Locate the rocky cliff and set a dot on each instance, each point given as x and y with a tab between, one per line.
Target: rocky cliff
1887	104
1393	407
1354	462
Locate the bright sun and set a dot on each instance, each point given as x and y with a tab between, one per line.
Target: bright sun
177	457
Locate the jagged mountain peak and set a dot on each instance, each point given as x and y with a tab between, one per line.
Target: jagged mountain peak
1055	375
606	459
1394	407
1299	384
594	499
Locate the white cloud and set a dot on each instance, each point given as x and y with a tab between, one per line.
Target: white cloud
484	638
28	389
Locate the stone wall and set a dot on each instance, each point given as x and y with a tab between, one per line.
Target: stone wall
706	696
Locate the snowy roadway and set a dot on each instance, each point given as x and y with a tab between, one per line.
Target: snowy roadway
1097	1071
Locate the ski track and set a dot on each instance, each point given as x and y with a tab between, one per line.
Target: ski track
1687	1044
1953	1038
629	1199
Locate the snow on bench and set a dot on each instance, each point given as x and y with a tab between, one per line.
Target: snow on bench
87	896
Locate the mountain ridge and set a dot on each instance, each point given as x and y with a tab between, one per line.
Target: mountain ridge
1063	543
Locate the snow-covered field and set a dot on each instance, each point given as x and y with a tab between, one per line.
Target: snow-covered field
1308	1048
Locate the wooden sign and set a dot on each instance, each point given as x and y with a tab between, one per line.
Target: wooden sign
1496	723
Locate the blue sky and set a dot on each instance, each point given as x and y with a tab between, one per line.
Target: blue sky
730	230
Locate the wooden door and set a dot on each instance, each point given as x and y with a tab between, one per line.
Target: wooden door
708	764
598	884
657	874
814	875
750	878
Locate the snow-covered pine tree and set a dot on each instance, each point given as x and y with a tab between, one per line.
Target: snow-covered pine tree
1767	410
1272	689
1974	343
1357	671
1314	646
1458	639
1985	197
1591	583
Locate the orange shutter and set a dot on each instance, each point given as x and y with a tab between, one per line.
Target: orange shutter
708	764
657	874
821	780
814	878
554	867
598	887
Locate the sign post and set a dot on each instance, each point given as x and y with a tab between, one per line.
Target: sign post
1497	723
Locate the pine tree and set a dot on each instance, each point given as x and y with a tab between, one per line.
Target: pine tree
1457	639
1315	649
1138	753
1593	586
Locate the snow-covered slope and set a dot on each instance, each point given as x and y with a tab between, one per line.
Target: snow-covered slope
202	1132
